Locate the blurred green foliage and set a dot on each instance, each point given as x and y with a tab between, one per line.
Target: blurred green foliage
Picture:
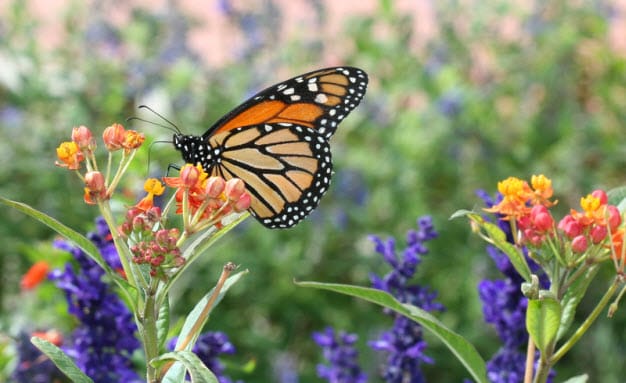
502	89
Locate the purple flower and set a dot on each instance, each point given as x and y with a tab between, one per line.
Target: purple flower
339	351
104	340
404	342
208	348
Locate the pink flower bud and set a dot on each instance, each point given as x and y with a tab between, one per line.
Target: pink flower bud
94	181
541	218
113	137
189	175
243	203
601	195
234	189
82	137
598	233
615	217
215	187
579	244
570	226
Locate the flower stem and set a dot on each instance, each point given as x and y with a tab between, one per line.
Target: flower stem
530	359
197	326
587	323
122	249
149	333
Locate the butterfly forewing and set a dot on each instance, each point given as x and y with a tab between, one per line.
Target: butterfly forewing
277	142
319	100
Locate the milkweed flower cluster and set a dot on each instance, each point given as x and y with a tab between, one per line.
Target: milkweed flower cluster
71	154
144	244
552	260
204	201
526	207
504	307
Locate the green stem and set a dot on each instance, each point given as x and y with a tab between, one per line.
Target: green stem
580	331
120	245
530	359
149	332
543	370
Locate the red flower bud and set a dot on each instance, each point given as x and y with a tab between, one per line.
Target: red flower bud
579	244
615	217
598	233
601	195
541	218
570	226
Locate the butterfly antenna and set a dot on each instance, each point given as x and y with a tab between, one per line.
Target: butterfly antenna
161	117
134	118
150	153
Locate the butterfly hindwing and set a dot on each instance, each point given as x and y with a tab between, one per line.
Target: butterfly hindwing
286	168
319	100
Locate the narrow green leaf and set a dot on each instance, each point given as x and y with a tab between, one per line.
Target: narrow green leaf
462	213
61	360
80	240
617	197
163	323
543	317
176	372
198	372
195	312
572	298
514	254
459	346
584	378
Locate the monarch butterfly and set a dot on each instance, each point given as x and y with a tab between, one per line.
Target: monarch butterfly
277	142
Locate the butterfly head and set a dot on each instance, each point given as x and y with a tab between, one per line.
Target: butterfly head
192	149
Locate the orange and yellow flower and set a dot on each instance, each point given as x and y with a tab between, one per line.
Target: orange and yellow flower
69	155
518	198
153	187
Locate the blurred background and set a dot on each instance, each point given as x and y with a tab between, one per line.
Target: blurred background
462	94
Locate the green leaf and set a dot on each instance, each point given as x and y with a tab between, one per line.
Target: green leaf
617	197
163	323
80	240
176	372
459	346
197	310
197	370
572	298
463	213
514	254
543	317
584	378
61	360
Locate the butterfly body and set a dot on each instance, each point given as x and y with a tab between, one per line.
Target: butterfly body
277	142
